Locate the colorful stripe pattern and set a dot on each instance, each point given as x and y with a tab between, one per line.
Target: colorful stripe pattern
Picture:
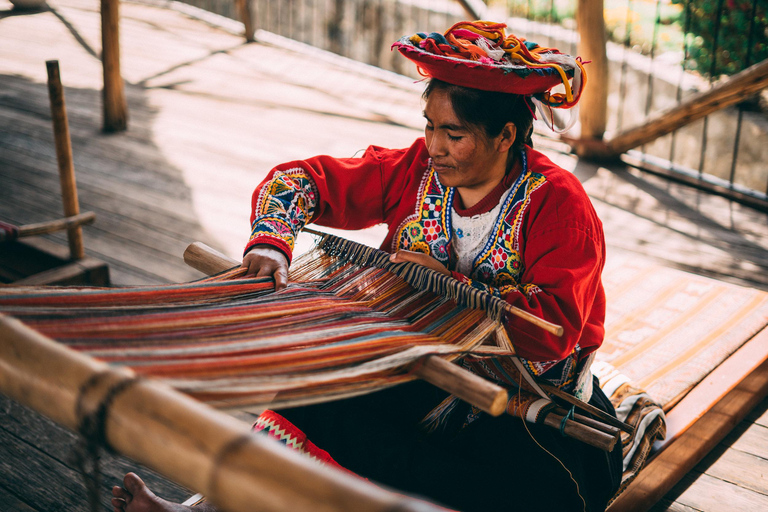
339	329
667	329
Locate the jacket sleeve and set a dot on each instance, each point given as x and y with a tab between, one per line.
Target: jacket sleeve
344	193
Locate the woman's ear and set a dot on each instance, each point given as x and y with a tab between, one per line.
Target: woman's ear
506	138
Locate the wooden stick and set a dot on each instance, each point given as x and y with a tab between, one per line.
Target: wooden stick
244	10
594	411
464	384
52	226
555	329
115	106
724	94
583	433
64	158
188	442
447	376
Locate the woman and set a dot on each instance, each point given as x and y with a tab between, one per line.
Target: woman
474	200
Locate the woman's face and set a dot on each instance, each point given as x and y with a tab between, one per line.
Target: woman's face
462	157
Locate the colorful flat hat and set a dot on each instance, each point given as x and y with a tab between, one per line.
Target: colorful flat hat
480	55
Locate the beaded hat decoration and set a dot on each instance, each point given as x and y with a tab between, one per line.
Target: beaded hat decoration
480	55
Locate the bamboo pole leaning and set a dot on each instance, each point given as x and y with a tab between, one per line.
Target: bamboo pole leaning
186	441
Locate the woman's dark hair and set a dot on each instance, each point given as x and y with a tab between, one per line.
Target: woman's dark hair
489	109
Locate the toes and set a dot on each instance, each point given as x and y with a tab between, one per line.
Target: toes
122	494
133	483
118	504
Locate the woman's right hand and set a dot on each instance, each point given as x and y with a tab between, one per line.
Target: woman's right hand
263	261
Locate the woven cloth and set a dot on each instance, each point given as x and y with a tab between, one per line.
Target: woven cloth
667	329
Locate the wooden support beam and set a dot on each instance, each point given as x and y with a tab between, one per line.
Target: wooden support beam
188	442
115	106
244	11
693	108
447	376
64	157
593	106
52	226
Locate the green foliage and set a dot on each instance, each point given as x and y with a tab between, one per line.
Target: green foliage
732	37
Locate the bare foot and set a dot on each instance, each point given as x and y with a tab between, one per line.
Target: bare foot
135	496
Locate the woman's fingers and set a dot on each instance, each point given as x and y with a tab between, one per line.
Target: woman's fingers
265	261
420	259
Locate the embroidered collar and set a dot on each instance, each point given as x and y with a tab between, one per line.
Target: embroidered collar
492	199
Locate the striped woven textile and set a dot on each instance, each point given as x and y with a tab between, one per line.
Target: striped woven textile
667	329
338	330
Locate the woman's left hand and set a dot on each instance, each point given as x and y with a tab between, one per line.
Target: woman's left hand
419	258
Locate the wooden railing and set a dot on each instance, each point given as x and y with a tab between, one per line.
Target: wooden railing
364	31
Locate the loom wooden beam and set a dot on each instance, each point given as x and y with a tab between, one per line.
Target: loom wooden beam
572	400
693	108
115	106
64	158
447	376
181	438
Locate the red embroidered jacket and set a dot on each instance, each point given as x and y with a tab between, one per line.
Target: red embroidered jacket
546	257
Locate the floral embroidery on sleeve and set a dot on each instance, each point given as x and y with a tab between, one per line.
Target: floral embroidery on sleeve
284	206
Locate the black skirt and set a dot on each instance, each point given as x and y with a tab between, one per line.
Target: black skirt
490	464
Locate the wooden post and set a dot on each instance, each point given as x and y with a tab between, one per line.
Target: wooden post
592	40
244	10
115	107
64	158
200	448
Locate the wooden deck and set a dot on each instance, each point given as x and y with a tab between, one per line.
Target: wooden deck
209	116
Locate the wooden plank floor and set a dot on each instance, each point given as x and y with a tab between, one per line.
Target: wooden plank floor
209	116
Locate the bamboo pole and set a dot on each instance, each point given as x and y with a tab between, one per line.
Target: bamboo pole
593	111
447	376
115	106
244	10
64	158
693	108
183	439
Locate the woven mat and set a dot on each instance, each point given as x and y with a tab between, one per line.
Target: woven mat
667	329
